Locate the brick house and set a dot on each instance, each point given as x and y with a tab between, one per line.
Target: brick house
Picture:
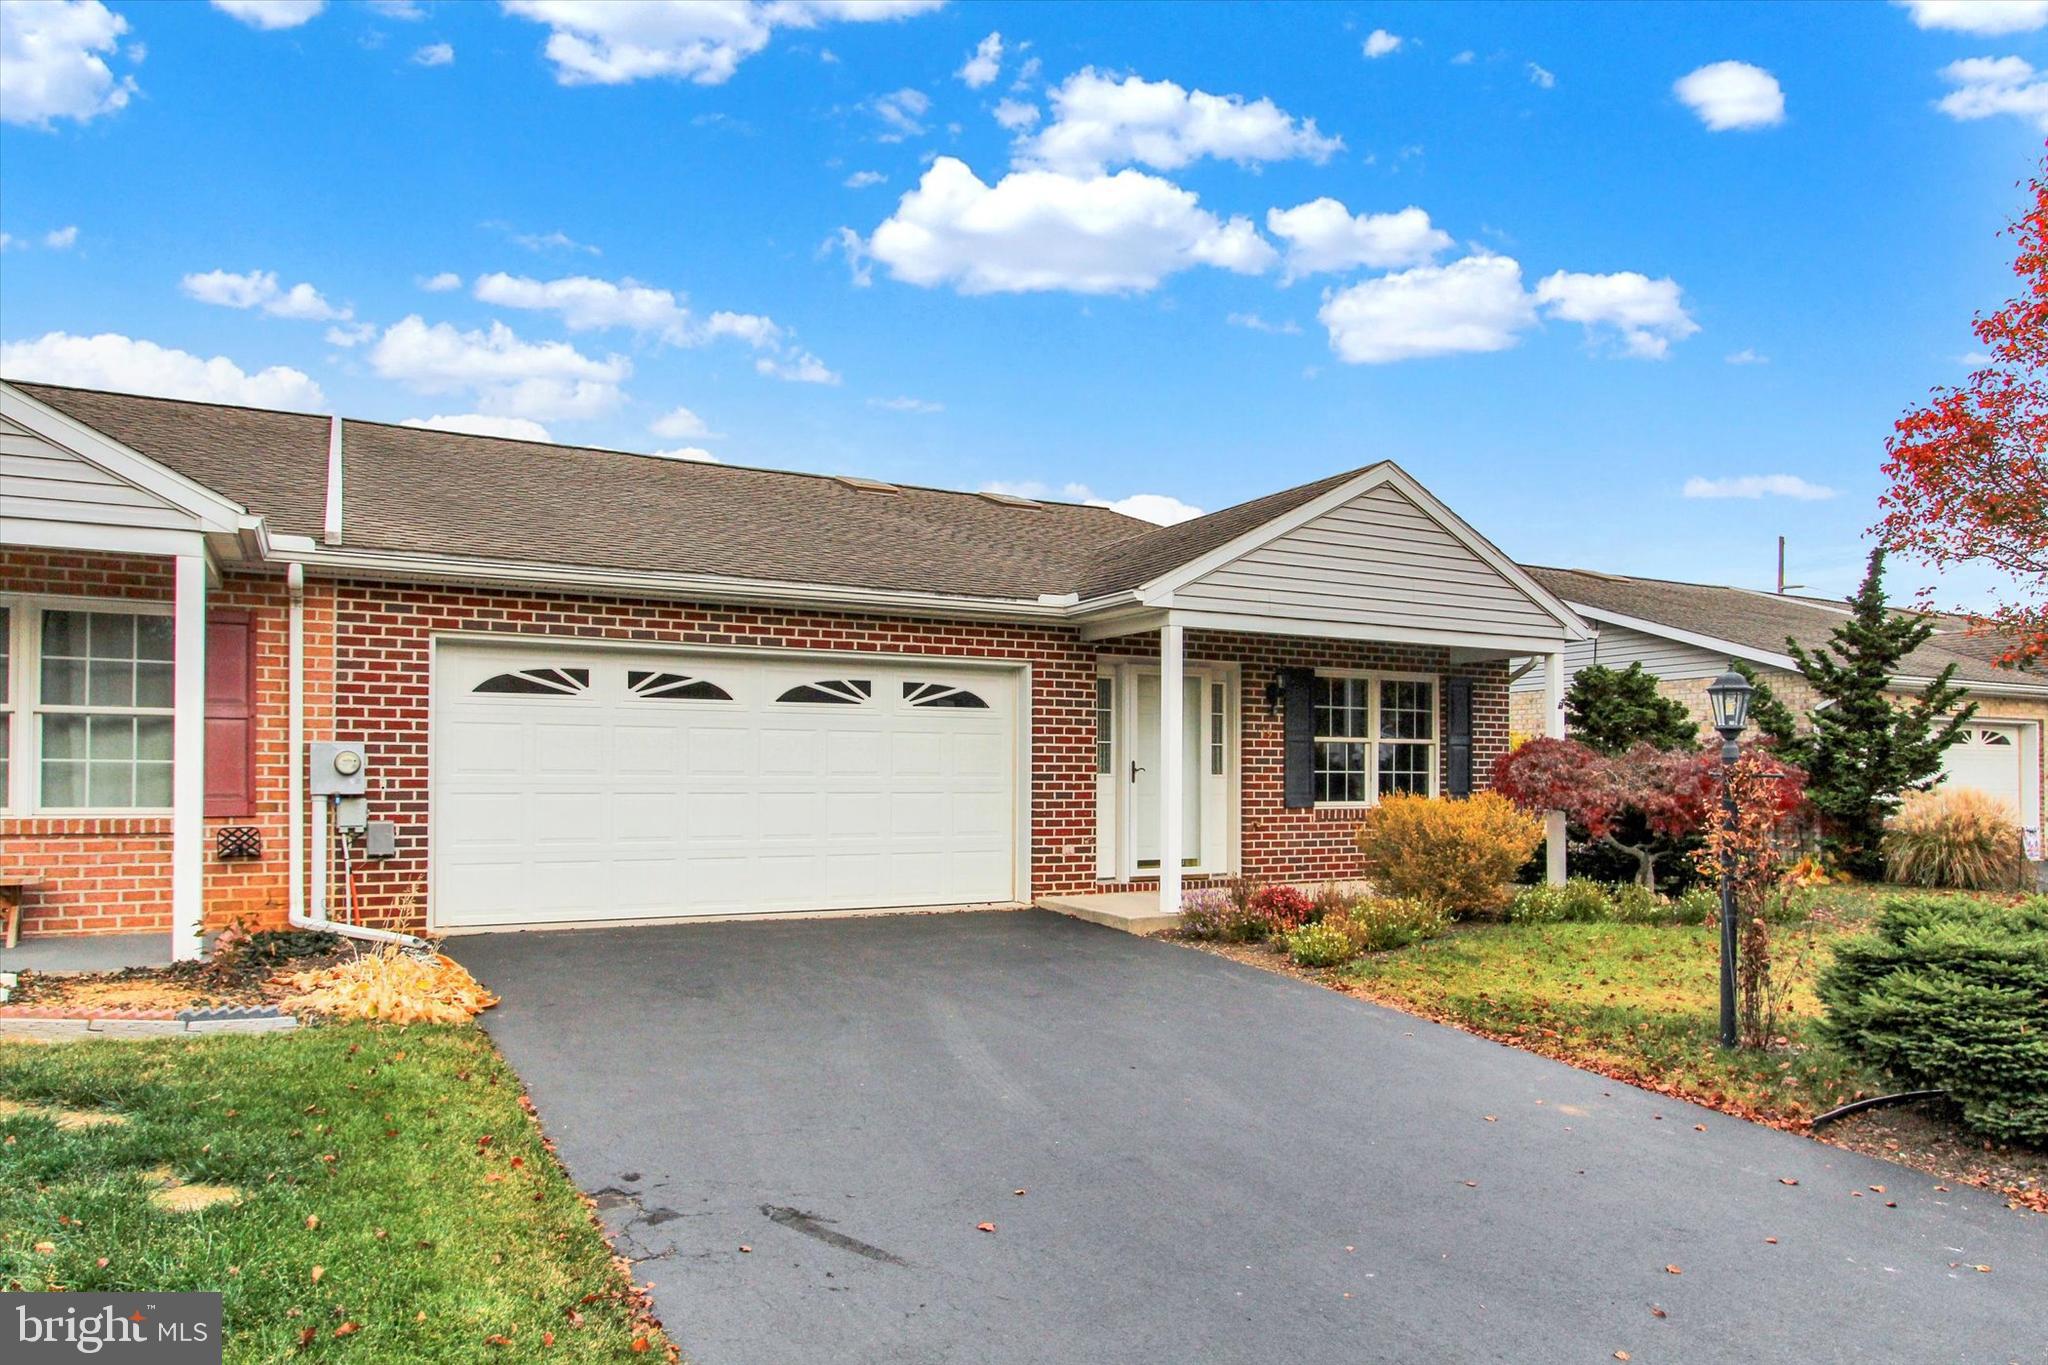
582	686
1684	634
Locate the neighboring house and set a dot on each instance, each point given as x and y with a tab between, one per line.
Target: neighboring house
1685	634
595	686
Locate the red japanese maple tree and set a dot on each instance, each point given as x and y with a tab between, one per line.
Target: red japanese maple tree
1968	479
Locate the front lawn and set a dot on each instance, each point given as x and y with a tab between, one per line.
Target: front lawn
360	1192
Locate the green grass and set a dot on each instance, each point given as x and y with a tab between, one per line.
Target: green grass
1640	1002
443	1221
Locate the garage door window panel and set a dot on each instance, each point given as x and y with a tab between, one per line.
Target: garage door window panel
673	687
939	696
834	692
537	682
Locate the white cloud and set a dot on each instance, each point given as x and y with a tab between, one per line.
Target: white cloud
757	331
1159	508
435	54
1473	304
1649	314
586	303
406	10
1322	235
1101	121
1465	58
601	42
271	14
861	180
510	377
798	367
694	454
51	65
1016	115
259	289
1758	486
61	239
678	424
1043	230
900	110
916	405
113	361
483	424
986	63
1254	322
1729	95
1986	18
441	283
350	334
1989	86
1380	43
848	243
1541	78
1748	356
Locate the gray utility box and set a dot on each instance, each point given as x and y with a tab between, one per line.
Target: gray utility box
338	768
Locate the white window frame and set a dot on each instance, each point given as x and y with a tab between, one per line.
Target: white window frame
25	692
1372	739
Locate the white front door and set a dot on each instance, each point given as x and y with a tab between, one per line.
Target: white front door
1128	819
592	784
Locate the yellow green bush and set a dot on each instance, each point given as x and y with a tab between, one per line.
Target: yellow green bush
1959	838
1457	857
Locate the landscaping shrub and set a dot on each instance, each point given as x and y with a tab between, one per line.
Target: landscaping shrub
1578	901
1378	924
1206	913
1951	993
1696	906
1334	898
1455	856
1634	903
1320	943
1282	908
1962	838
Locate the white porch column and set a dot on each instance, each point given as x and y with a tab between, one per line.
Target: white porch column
188	758
1553	728
1172	780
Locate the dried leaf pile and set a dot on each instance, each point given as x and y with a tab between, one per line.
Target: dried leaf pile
390	986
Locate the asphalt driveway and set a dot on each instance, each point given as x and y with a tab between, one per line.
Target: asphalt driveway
1219	1164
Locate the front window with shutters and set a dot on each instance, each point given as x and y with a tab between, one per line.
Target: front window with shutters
1375	734
85	706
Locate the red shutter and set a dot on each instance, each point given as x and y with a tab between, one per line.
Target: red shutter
230	713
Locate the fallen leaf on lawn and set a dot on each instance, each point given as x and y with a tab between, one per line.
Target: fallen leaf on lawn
318	1271
348	1329
547	1338
575	1318
102	1263
641	1344
312	1222
306	1336
47	1248
1673	1270
984	1227
1786	1180
496	1340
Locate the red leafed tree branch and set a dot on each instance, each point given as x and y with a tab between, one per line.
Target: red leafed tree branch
1969	482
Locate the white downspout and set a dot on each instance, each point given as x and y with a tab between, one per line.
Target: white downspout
295	740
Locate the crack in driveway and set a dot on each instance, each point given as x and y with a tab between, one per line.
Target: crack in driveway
810	1225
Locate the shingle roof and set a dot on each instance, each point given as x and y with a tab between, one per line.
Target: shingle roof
412	490
1762	620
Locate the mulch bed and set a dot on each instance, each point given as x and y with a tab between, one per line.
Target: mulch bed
238	974
1922	1136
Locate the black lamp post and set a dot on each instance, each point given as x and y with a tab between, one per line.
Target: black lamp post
1729	697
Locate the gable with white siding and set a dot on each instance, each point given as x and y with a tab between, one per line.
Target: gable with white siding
1619	646
41	481
1379	561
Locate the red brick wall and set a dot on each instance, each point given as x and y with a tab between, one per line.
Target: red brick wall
367	647
113	875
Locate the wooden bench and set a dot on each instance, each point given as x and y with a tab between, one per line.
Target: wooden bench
11	893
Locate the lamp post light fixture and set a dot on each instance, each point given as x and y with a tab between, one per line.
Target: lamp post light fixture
1729	697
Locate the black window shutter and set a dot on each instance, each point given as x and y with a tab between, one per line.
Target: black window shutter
1298	691
1458	736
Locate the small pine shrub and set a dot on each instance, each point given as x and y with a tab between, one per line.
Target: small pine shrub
1578	901
1960	838
1206	913
1696	906
1951	993
1320	943
1457	856
1634	903
1282	908
1378	924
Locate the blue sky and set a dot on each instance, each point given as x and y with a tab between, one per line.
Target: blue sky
1558	261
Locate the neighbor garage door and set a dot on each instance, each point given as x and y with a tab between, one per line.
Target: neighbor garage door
579	784
1994	759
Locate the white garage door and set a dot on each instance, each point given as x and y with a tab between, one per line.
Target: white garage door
1991	758
593	784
